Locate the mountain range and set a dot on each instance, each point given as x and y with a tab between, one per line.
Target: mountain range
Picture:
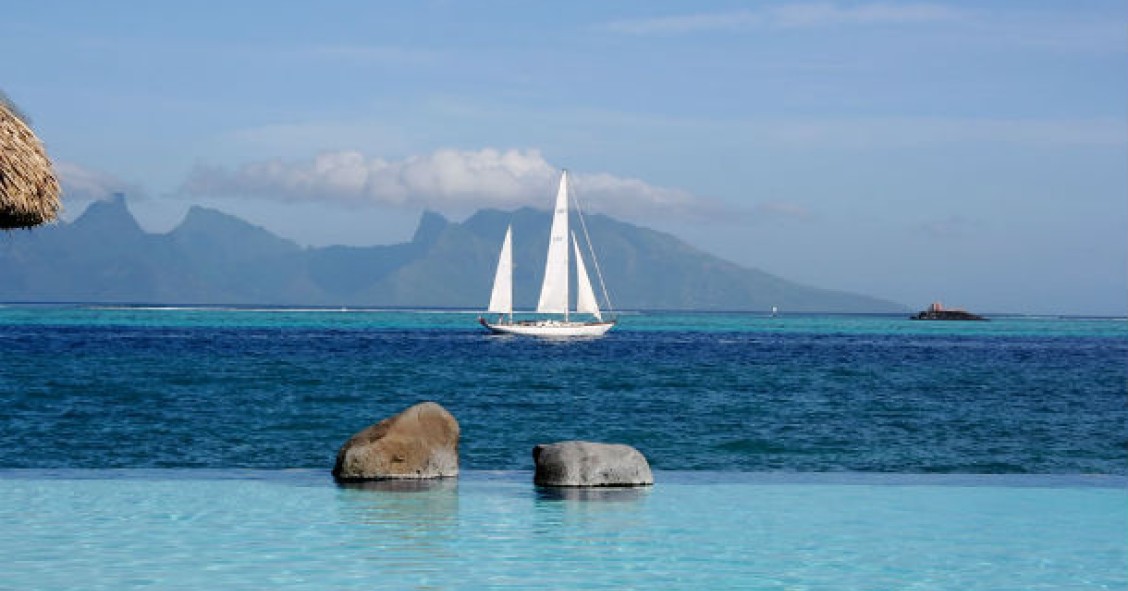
213	258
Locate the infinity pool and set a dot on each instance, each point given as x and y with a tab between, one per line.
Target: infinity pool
198	529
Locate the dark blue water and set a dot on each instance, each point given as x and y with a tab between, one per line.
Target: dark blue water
82	388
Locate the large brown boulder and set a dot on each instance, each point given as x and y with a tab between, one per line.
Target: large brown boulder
583	463
420	442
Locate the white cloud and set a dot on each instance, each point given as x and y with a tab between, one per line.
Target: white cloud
625	196
984	25
82	184
1062	32
451	181
808	15
896	132
783	209
687	23
826	14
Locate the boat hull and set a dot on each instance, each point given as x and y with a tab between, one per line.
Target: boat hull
549	328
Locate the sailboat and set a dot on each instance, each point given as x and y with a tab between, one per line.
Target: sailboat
554	296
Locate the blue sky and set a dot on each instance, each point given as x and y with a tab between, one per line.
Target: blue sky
971	152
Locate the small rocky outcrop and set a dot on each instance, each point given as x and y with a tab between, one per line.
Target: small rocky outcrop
937	311
583	463
946	315
420	442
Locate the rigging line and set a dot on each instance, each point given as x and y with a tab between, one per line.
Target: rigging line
591	249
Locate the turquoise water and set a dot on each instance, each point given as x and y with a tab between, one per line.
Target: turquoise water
465	320
200	529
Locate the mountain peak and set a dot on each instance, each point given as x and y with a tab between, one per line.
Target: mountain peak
199	217
207	229
431	224
110	216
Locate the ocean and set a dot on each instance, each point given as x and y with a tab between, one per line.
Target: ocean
190	448
87	387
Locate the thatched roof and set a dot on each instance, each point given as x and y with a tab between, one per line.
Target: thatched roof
29	191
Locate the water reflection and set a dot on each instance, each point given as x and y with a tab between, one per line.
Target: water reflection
616	494
595	522
417	504
403	526
405	485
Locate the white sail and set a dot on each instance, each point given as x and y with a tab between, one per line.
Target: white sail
554	290
501	298
585	295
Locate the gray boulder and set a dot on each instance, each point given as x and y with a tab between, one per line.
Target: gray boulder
420	442
583	463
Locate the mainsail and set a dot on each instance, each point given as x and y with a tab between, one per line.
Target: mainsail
501	299
554	290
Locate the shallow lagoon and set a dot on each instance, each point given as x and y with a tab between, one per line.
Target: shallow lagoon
239	529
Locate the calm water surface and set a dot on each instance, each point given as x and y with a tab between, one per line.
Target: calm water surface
200	529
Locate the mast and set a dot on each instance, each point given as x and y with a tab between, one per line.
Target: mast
554	289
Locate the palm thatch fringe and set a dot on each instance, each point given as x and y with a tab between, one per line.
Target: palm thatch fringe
29	191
